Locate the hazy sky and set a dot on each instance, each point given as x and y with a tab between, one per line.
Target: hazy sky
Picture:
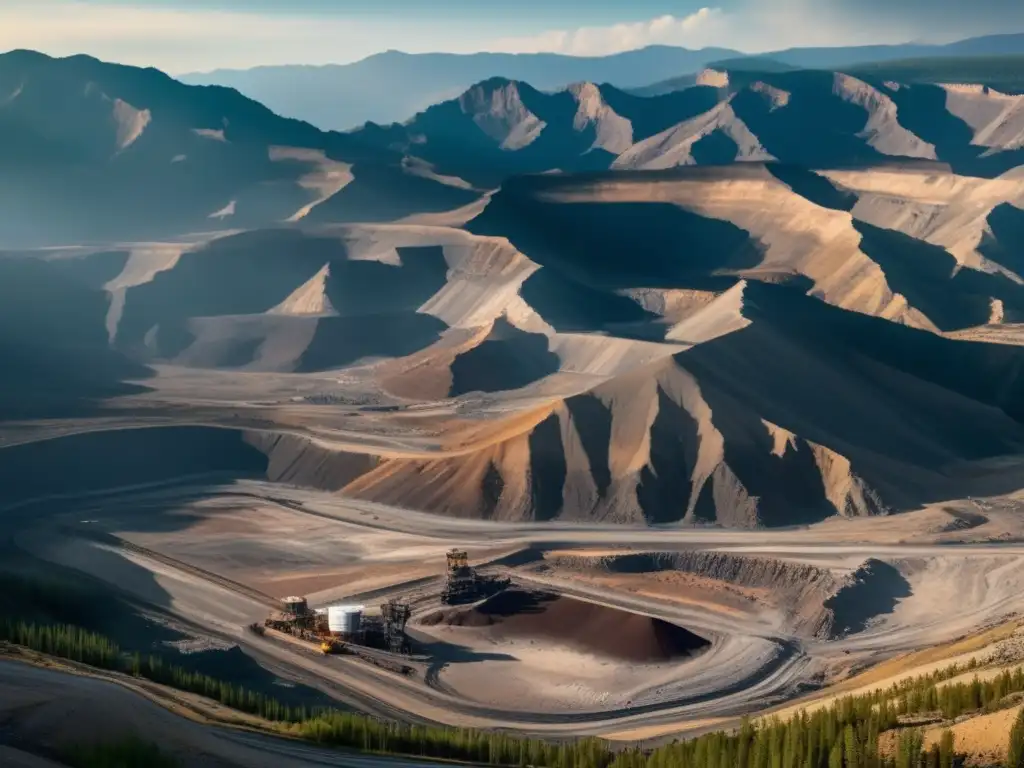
188	35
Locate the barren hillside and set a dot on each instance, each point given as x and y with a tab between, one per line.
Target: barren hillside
501	127
99	152
818	325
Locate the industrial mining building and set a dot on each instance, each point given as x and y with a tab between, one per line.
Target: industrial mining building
463	584
343	628
460	582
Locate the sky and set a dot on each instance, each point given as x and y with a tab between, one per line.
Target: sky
182	36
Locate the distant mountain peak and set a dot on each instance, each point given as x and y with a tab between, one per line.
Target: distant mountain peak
338	97
498	109
614	132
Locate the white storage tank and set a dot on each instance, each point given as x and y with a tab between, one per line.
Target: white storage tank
344	619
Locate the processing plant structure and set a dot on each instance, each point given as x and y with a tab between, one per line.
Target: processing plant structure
344	628
463	584
349	629
394	616
460	583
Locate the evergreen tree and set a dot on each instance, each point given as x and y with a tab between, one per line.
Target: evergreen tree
851	748
946	749
1015	750
835	756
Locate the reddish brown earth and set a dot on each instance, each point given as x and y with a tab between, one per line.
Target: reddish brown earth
589	627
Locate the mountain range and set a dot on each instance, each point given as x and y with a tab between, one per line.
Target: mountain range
96	151
810	118
391	86
764	300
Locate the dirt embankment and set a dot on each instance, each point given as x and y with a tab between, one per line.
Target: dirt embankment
517	614
984	739
817	601
870	591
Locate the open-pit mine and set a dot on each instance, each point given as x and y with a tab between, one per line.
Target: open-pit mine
630	425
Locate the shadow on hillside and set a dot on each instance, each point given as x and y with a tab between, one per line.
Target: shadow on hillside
813	187
453	141
876	590
548	469
665	484
618	245
384	192
376	288
926	274
922	111
650	116
238	275
92	270
242	276
716	148
903	405
787	488
508	359
340	341
593	422
816	129
1004	244
992	374
61	155
55	361
571	306
93	461
44	592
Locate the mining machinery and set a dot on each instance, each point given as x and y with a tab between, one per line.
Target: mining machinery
394	616
460	580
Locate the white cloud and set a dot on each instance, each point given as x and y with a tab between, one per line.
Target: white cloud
599	41
182	41
755	26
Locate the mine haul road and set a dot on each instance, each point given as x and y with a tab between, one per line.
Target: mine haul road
751	664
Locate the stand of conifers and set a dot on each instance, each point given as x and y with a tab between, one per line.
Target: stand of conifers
843	735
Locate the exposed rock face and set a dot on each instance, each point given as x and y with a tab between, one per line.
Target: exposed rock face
815	602
614	133
676	145
498	109
997	119
882	131
131	122
810	118
679	335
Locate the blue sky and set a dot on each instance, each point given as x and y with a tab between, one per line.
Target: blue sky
189	35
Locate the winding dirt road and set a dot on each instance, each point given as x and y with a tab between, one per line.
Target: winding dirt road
753	663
